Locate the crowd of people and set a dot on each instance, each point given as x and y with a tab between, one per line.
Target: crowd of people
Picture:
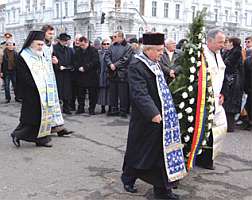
123	77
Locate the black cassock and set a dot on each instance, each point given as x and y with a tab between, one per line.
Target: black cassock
144	156
30	116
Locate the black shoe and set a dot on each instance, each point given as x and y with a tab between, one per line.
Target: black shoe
64	132
48	145
67	112
18	100
7	101
209	167
15	141
103	109
80	111
91	112
112	114
130	188
123	115
160	193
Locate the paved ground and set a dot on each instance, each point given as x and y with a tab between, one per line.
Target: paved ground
87	165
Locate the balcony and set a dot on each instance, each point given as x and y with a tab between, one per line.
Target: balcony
83	15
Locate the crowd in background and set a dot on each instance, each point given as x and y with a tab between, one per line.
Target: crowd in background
99	70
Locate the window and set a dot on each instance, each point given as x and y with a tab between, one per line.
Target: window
216	15
166	10
246	18
8	16
236	16
57	10
154	8
75	6
66	9
28	5
35	5
89	32
14	15
177	11
142	6
140	32
117	4
166	33
193	12
153	29
226	15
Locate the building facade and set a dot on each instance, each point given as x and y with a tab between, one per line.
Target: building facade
133	17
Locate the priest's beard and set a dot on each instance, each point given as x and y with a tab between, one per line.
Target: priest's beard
36	52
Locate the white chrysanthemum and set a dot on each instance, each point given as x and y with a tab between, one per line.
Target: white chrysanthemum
199	54
187	138
211	117
204	142
199	63
182	105
190	130
210	89
203	29
211	109
192	69
180	116
190	118
193	60
188	110
199	152
203	40
200	35
190	51
209	126
200	45
191	78
207	134
190	88
191	101
184	95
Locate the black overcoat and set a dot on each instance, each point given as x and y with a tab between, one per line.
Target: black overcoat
31	106
64	77
248	85
89	60
144	145
233	80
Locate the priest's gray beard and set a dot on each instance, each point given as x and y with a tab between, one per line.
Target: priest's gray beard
36	52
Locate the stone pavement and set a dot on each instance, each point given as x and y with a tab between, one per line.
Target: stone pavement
87	165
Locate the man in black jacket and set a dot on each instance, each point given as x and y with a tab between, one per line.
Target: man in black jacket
117	58
87	66
63	71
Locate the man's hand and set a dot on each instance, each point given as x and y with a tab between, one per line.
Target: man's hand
221	99
81	69
55	60
62	67
112	67
157	119
172	74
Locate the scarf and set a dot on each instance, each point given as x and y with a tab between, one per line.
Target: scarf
172	146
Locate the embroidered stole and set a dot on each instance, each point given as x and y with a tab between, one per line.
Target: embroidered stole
57	115
37	66
172	146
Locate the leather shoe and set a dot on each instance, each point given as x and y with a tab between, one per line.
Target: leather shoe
15	141
7	101
80	111
160	193
48	145
130	188
64	132
67	112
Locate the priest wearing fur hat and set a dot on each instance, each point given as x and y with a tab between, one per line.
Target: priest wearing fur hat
154	150
38	94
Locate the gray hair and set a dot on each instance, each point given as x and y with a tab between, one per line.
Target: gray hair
147	46
213	32
169	41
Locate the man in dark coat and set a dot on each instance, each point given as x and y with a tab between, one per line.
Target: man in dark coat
63	71
169	60
8	69
148	156
87	66
117	59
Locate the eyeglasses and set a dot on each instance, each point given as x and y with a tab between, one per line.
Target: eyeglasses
105	44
